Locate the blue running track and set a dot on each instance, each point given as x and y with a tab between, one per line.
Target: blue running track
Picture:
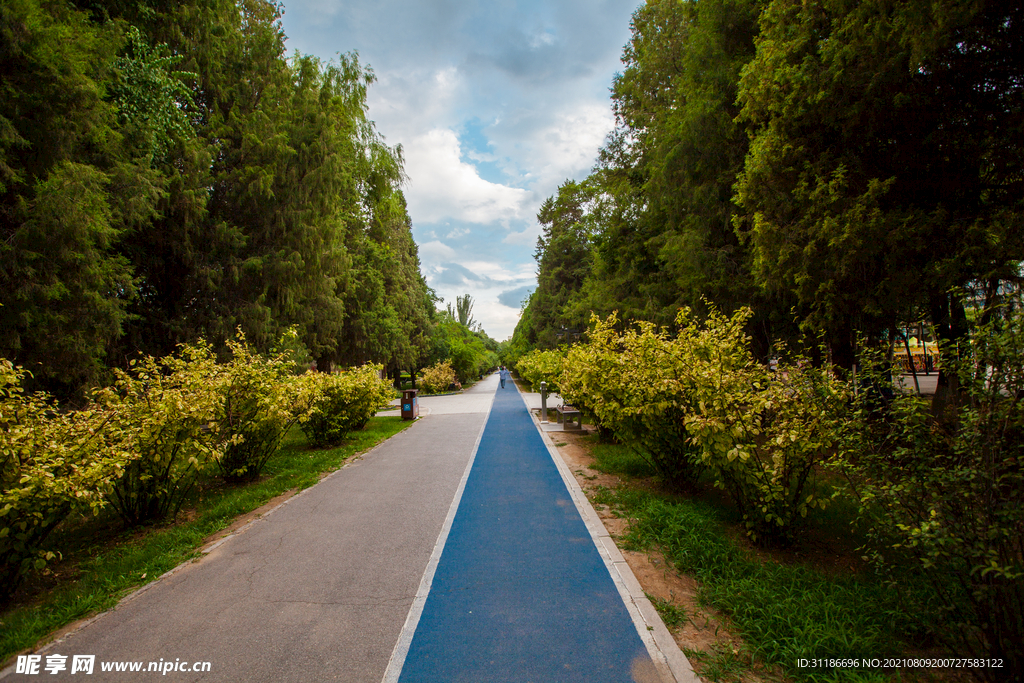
520	593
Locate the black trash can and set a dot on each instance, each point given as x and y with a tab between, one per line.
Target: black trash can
410	406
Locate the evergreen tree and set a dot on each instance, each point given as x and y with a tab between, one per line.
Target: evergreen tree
71	186
885	167
168	173
659	210
563	257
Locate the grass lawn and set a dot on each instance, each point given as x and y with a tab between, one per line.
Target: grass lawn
816	600
105	562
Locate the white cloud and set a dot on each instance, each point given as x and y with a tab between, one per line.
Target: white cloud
435	252
542	39
411	102
536	72
525	237
503	272
494	316
573	139
442	186
488	282
457	233
553	147
447	80
498	320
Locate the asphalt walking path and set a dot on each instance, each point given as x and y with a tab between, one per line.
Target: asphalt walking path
427	559
521	593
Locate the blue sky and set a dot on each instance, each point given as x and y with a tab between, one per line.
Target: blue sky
495	105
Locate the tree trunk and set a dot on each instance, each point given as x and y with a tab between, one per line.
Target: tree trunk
842	351
950	321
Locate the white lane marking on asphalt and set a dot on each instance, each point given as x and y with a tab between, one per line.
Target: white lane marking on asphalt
401	651
670	661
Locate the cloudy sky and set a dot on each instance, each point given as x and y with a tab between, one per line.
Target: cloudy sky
495	104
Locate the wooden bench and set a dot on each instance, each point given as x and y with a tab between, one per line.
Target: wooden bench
569	415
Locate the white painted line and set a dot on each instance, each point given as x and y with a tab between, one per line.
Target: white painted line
401	651
668	659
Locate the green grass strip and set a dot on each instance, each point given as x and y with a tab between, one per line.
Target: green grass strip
785	613
109	575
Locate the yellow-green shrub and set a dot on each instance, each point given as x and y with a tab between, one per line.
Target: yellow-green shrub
166	418
700	400
763	437
261	401
634	383
51	464
342	402
438	377
542	366
762	433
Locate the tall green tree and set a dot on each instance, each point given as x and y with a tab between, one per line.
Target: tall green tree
405	288
178	254
564	259
519	345
71	186
300	218
463	311
677	96
884	170
167	173
660	213
470	352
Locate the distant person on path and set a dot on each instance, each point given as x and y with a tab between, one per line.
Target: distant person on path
503	375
